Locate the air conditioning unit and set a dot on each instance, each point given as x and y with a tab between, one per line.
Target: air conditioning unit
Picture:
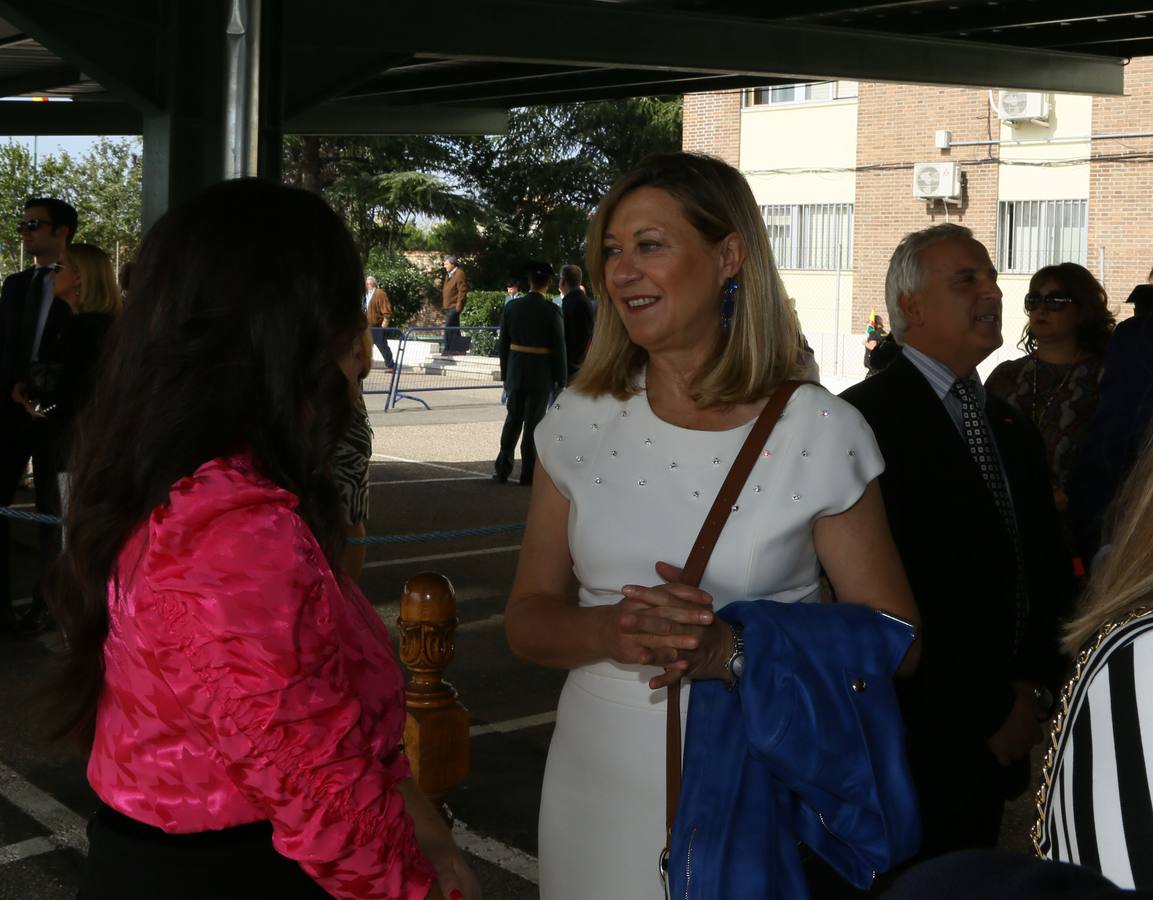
1022	106
937	181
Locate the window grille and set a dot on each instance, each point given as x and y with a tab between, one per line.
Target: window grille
811	236
1036	233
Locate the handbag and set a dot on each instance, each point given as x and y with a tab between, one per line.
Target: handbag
691	574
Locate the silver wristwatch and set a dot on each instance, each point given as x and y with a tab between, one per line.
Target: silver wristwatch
735	665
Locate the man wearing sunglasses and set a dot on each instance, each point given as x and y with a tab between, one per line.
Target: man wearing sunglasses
29	309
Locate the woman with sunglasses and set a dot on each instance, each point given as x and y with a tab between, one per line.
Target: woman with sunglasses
1056	384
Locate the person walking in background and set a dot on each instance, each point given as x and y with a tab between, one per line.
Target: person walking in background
60	380
577	311
454	297
532	367
969	497
29	310
1057	383
237	694
378	309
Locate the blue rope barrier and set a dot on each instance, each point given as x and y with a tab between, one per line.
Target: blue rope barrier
45	519
42	518
436	535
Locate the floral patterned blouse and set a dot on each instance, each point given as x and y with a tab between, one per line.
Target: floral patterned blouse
245	682
1058	399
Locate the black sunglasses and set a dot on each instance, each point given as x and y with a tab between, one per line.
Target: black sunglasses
1053	302
31	224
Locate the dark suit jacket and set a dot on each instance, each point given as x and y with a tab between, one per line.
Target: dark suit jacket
1116	432
532	321
13	302
577	310
960	560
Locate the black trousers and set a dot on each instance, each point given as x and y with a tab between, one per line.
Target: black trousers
380	339
524	411
452	341
21	439
128	860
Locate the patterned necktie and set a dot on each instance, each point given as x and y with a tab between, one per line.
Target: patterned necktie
32	303
984	453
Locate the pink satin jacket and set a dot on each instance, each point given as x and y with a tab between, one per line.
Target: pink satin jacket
245	682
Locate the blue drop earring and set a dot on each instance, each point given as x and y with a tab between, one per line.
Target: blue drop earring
730	292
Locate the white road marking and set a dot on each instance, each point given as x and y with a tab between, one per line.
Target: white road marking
513	724
380	563
491	850
431	480
31	847
67	827
420	462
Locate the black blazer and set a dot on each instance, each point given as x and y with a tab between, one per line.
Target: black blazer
960	559
578	328
532	321
13	302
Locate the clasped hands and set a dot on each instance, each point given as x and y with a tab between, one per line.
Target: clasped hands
669	625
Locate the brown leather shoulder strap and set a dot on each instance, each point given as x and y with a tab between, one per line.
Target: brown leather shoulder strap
694	569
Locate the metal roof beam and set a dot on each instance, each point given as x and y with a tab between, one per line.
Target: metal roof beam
70	118
113	42
362	118
607	35
39	81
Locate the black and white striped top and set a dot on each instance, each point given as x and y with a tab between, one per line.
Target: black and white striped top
1098	812
350	465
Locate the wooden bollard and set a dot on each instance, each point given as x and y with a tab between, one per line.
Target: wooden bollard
436	728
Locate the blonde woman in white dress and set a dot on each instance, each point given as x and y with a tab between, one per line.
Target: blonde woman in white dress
630	459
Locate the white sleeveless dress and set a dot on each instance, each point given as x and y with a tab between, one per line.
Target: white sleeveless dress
639	489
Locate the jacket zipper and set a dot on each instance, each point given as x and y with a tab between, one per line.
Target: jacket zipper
689	863
837	837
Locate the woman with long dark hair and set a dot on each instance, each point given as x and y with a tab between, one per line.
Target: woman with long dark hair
239	694
1057	382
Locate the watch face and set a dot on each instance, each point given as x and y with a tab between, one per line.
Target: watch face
738	665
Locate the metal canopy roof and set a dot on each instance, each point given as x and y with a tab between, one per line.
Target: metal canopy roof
455	66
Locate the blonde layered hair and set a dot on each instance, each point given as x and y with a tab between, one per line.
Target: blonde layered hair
763	346
99	292
1123	579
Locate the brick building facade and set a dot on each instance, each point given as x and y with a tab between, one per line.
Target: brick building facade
1087	166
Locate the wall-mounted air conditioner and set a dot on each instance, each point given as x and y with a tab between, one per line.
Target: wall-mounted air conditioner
937	181
1022	106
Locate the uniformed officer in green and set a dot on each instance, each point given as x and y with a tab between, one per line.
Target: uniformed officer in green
532	366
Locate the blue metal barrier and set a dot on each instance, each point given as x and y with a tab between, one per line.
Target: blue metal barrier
422	365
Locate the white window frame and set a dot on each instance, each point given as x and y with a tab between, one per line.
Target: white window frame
1036	233
775	94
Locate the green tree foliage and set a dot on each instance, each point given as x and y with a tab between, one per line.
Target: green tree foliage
498	200
104	185
483	308
537	185
380	185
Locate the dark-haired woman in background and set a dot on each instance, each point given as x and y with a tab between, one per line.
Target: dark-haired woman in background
1057	384
239	694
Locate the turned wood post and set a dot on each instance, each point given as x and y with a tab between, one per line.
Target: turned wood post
436	728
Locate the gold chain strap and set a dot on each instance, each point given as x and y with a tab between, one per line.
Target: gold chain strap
1063	707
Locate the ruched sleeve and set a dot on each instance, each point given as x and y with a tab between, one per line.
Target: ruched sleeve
256	639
